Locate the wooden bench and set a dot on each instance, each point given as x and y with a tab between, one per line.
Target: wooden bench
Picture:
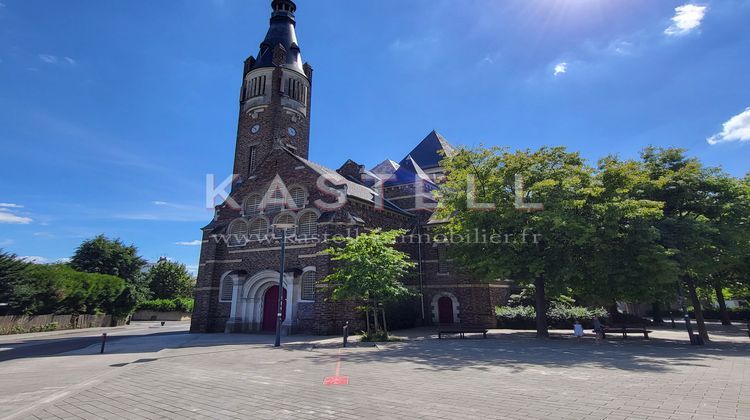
625	330
461	331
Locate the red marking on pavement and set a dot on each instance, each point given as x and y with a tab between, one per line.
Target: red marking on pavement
337	379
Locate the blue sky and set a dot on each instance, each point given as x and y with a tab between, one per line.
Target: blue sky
112	113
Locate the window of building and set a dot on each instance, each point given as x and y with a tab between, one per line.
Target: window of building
442	259
275	202
308	224
237	233
298	196
258	228
308	285
227	286
252	205
253	152
256	86
285	219
296	90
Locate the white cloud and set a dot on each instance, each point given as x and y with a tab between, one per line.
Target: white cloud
159	203
7	217
44	235
736	128
2	4
687	18
49	59
35	259
561	68
7	242
196	242
11	205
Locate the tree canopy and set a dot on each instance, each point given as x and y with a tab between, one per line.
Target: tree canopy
169	280
107	256
595	235
369	267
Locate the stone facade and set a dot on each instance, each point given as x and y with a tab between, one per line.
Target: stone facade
275	183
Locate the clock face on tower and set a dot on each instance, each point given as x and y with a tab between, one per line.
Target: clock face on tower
254	129
292	132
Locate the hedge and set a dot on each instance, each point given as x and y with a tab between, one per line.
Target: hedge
558	316
59	289
168	305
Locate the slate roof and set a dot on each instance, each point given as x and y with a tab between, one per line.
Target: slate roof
353	187
386	167
409	172
427	153
281	31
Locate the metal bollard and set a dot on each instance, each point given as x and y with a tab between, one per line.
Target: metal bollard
162	323
346	333
104	341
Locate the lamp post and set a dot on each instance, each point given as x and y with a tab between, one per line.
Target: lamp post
283	227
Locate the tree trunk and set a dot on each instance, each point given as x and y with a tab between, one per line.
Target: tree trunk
725	319
656	309
375	312
698	309
385	325
540	299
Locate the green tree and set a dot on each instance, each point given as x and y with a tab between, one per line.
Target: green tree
108	256
694	199
588	231
11	272
169	280
370	269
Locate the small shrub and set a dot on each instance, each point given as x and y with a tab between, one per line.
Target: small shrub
376	337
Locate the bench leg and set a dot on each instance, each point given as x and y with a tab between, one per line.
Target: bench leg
645	335
485	335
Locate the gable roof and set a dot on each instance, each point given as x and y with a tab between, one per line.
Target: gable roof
427	152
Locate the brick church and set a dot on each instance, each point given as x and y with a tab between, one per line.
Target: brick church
276	183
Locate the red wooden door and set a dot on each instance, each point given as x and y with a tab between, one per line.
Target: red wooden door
445	310
270	303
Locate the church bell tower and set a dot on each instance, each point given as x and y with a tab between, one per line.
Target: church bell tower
275	95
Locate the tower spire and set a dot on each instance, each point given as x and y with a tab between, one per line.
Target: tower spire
281	32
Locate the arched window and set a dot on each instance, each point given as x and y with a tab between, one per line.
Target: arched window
226	292
286	219
258	228
308	224
308	285
237	233
252	205
298	196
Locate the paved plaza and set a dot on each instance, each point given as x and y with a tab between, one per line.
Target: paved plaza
175	375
